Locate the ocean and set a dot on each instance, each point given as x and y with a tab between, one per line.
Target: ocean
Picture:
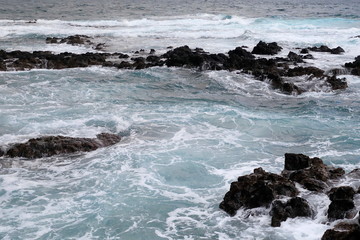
187	134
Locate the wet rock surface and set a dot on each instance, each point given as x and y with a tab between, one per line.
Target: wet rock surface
323	48
278	71
280	195
264	48
55	145
258	189
354	66
343	232
295	207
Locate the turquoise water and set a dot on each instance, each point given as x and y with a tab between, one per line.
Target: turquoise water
186	134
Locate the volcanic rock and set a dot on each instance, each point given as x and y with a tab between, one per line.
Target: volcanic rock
295	207
341	193
54	145
296	161
258	189
344	232
266	48
354	66
295	57
312	173
324	48
72	40
341	202
337	83
300	71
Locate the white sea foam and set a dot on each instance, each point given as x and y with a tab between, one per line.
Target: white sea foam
187	135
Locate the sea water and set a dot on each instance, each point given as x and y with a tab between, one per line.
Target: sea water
186	134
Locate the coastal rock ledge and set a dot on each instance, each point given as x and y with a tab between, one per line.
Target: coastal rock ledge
279	194
54	145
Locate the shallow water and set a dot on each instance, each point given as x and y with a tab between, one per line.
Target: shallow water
186	134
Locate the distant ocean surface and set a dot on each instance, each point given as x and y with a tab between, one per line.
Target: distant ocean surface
187	134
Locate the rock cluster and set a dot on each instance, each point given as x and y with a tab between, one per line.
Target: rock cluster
322	48
280	195
278	71
354	66
76	40
54	145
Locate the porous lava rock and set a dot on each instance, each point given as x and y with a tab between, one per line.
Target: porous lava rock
341	203
72	40
354	66
264	48
343	232
257	189
295	207
312	173
324	48
53	145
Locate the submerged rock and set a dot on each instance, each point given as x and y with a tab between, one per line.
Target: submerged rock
72	40
54	145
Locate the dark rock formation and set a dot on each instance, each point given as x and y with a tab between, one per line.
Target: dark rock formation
323	48
337	83
312	173
1	152
183	56
18	60
73	40
341	202
266	48
295	57
295	161
295	207
54	145
275	70
340	209
300	71
341	193
354	66
343	232
258	189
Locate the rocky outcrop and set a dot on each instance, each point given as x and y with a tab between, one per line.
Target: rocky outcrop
312	173
341	203
19	60
54	145
323	48
72	40
354	66
264	48
343	232
264	189
277	71
295	207
258	189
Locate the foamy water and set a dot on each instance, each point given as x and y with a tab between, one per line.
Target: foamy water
186	134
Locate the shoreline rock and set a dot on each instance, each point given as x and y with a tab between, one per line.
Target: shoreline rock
278	71
54	145
279	194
